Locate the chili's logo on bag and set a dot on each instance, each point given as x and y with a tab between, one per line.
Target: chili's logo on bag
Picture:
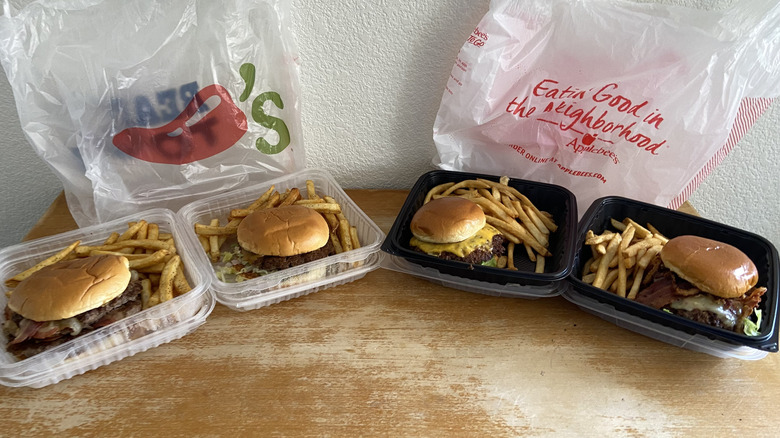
210	123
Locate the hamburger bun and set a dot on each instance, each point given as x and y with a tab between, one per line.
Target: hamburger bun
71	287
283	232
714	267
447	220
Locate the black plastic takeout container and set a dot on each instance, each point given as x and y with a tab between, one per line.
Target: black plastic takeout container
556	200
672	223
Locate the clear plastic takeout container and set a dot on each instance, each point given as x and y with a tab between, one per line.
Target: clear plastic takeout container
139	332
299	280
522	283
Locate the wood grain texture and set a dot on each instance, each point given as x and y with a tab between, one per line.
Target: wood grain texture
393	355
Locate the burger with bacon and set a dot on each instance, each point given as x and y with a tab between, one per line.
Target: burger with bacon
68	299
706	281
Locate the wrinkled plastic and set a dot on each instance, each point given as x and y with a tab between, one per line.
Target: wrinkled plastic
138	104
608	97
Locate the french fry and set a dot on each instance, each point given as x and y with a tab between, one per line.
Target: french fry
344	236
146	293
353	234
437	191
334	237
539	265
262	199
112	238
180	283
149	259
60	255
310	192
214	242
208	230
165	288
510	257
324	207
601	273
502	262
293	196
132	230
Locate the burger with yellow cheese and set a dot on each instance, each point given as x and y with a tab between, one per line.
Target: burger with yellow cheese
454	228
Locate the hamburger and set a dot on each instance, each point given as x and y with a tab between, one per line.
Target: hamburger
453	228
705	281
68	299
272	239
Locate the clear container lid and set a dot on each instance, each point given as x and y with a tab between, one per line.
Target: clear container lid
139	332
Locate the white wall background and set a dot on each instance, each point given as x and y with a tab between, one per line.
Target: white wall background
372	75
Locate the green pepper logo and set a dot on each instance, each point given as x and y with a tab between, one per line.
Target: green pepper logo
247	72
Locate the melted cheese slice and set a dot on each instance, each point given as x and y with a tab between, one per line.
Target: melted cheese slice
707	303
483	237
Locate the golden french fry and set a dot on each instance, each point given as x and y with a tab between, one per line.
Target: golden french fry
588	278
332	220
111	239
180	283
641	231
334	237
621	276
353	234
132	243
510	257
519	231
502	261
208	230
633	249
497	203
165	288
530	252
291	197
539	265
310	192
648	256
149	259
529	224
471	183
547	220
344	237
657	234
505	228
637	282
601	272
60	255
146	293
610	279
437	191
273	201
132	230
620	226
262	199
324	207
214	242
594	239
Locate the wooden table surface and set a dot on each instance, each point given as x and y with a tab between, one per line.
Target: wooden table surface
394	355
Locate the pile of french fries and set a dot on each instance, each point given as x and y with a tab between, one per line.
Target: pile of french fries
620	258
150	252
511	212
343	235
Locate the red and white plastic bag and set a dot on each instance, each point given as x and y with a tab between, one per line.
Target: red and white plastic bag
608	97
137	104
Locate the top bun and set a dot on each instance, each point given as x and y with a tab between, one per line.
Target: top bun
283	231
71	287
714	267
447	220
